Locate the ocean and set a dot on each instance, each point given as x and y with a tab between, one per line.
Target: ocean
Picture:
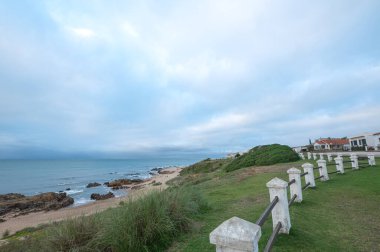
30	177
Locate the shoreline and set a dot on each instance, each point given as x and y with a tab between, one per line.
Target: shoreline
34	219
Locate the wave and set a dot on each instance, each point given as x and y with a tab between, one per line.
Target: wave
73	192
82	201
67	183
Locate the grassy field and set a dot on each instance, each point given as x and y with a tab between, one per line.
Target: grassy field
341	214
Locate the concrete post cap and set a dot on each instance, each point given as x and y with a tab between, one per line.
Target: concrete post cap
293	170
307	165
236	233
277	183
321	161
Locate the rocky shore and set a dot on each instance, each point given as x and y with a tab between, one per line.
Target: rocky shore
14	204
43	215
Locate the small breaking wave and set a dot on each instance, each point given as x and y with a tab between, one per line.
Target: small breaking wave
66	183
82	201
73	192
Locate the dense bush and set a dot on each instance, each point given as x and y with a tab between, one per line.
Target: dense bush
263	155
149	223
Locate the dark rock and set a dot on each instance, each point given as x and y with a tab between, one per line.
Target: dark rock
118	182
94	184
10	196
137	181
68	189
165	172
16	204
156	169
137	187
2	220
97	196
122	183
120	187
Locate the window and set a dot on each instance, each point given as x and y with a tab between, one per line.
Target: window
354	143
364	142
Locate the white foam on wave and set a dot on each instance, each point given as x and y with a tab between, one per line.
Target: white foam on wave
82	201
72	192
67	183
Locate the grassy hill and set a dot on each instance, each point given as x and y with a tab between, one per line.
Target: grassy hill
341	214
263	155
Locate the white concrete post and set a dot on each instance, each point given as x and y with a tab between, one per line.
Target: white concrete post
320	155
309	177
308	155
314	156
236	235
354	161
280	213
339	164
371	159
323	170
296	187
329	158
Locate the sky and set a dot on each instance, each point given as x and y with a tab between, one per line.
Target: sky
111	78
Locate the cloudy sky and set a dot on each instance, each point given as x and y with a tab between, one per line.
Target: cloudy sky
187	76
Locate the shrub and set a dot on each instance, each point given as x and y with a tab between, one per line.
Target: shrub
152	222
263	155
149	223
77	234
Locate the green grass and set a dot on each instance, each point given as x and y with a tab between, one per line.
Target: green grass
206	166
263	155
341	214
150	223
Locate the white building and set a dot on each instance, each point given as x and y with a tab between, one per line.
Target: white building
369	141
331	144
300	149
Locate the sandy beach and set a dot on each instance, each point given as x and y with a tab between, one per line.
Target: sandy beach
34	219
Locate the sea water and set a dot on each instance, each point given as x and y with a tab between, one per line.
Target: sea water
30	177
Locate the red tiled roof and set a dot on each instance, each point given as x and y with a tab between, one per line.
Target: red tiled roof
332	141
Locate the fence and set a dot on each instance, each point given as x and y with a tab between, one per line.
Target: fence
238	235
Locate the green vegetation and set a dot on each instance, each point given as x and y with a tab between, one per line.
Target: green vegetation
338	215
263	155
206	166
147	224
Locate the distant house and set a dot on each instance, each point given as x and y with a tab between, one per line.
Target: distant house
332	144
299	149
366	141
